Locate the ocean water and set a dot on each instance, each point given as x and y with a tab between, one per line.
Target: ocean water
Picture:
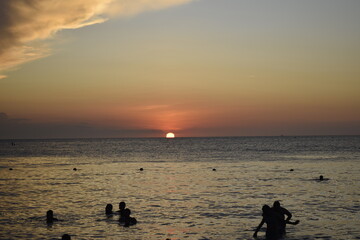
178	195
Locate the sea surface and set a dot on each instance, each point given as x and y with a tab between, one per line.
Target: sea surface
179	195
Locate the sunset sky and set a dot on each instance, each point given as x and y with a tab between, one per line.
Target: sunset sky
142	68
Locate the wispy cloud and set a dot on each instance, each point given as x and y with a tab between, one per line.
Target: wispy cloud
152	107
123	7
25	23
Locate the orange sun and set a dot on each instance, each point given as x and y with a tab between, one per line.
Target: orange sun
170	135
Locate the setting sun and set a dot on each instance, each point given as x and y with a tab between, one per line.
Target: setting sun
170	135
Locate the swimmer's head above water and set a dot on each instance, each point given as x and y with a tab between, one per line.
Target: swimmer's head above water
50	216
108	208
122	205
276	204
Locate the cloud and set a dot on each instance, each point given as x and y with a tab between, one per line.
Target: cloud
24	24
127	8
11	128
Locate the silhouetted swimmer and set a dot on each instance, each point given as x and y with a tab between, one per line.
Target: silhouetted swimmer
283	212
321	178
10	169
50	217
291	170
75	169
272	220
66	237
214	169
129	221
122	206
108	209
141	169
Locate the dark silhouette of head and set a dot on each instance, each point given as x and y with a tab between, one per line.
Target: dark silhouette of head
321	177
75	169
122	205
266	209
141	169
276	204
108	208
214	169
50	215
10	169
66	237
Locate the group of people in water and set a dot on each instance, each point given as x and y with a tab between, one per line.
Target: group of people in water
123	212
276	218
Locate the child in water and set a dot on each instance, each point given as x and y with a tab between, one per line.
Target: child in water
108	209
129	221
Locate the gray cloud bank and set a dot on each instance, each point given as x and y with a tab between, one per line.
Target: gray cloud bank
24	24
11	128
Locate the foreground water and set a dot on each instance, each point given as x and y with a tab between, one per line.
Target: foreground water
178	195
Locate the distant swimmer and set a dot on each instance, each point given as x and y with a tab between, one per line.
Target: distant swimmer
214	169
108	209
10	169
141	169
291	170
75	169
66	237
129	221
50	217
321	178
283	212
273	223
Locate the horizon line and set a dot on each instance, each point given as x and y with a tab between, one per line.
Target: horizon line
245	136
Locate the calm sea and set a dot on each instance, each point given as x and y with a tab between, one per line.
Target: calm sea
178	195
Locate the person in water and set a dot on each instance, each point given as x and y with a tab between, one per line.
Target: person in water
273	223
321	178
129	221
50	217
282	212
66	237
108	209
122	206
